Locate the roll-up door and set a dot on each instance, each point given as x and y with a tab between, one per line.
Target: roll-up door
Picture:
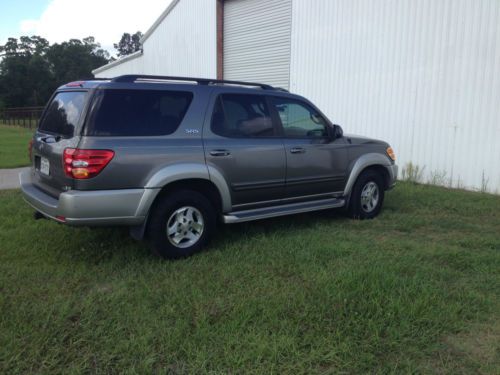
257	41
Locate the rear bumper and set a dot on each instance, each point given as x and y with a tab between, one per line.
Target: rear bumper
100	207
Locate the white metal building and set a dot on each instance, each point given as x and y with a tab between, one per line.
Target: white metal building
422	74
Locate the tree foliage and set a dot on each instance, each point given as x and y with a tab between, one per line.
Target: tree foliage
128	43
31	69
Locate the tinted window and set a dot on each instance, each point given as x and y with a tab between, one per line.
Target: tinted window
300	120
63	113
238	115
137	112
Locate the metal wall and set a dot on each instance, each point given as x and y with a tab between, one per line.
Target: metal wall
182	44
423	75
257	41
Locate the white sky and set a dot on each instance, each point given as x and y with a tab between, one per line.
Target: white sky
106	20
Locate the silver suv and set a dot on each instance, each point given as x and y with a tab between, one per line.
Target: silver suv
172	156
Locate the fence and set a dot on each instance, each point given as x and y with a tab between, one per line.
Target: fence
26	117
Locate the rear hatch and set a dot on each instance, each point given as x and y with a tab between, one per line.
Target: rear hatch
59	129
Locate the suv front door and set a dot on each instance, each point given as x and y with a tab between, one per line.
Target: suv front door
243	143
316	162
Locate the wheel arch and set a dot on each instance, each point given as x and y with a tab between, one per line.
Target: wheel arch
374	161
186	176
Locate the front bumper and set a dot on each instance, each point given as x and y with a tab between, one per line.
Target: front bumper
99	207
393	175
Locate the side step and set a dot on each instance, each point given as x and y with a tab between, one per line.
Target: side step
286	209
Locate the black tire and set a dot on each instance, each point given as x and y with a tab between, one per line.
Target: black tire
163	215
358	208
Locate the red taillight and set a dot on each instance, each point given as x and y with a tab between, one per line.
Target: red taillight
82	164
30	148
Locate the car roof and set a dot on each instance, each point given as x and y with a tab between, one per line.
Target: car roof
148	81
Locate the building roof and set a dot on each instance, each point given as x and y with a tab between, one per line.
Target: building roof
159	20
144	37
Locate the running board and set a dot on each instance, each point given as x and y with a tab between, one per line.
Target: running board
286	209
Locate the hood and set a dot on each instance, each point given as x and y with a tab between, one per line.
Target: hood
361	140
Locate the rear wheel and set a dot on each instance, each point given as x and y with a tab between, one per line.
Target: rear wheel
181	224
367	196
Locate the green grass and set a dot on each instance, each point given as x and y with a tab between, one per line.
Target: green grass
14	146
413	291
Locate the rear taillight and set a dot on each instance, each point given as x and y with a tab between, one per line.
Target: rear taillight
30	149
82	164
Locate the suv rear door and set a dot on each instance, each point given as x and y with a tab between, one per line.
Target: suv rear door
243	143
58	130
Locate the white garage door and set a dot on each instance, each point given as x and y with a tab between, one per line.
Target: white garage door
257	41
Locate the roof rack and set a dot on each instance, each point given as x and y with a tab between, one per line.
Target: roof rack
201	81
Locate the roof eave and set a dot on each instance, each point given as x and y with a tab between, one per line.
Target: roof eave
117	62
158	21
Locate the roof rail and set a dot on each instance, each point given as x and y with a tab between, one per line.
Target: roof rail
201	81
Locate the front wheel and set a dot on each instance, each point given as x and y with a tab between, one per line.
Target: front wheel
181	224
367	196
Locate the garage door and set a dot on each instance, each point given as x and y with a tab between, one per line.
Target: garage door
257	41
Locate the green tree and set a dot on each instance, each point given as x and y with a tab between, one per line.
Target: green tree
128	43
75	59
31	69
24	72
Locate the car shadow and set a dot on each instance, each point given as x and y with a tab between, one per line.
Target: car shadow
103	244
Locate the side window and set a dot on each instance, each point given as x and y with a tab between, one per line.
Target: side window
299	119
242	116
117	112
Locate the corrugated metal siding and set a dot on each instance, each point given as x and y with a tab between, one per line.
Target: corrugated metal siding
133	66
423	75
257	41
183	44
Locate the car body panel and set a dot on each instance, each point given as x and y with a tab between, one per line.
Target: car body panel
319	169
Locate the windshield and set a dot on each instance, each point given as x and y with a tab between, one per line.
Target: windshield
63	113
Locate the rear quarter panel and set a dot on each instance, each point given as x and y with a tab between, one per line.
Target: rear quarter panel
138	159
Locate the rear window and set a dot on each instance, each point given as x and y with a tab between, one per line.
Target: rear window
63	113
137	112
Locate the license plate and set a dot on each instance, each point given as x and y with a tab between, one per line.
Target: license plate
44	166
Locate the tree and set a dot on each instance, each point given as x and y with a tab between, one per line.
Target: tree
128	43
31	69
75	59
24	73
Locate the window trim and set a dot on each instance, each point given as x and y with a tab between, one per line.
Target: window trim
304	103
266	98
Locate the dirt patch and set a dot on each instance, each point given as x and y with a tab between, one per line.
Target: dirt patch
474	351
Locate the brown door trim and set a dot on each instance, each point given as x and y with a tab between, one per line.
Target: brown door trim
220	39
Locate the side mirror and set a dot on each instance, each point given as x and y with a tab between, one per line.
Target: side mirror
337	132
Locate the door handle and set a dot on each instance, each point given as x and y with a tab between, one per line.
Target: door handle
297	150
220	153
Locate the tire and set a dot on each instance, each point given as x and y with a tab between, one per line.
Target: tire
181	224
367	196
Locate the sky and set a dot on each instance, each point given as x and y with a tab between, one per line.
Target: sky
60	20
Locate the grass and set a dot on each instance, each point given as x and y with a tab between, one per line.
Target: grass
14	146
413	291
